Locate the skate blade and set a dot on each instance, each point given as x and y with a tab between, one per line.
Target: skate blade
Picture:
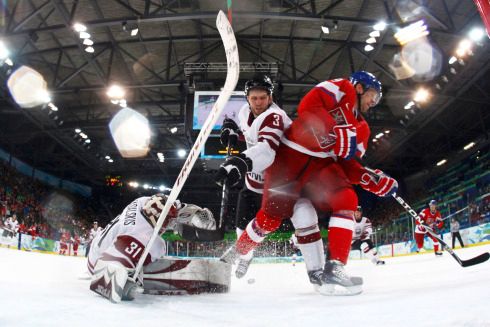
339	290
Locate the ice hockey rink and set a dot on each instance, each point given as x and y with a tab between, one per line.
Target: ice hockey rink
418	290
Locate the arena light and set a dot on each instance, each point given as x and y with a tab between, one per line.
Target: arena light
173	130
368	48
452	60
88	42
89	49
52	106
422	95
4	52
380	26
110	160
181	153
409	105
412	32
146	186
79	27
9	62
464	48
379	135
78	130
469	145
84	35
374	34
325	29
115	92
442	162
162	188
387	131
134	31
476	34
371	40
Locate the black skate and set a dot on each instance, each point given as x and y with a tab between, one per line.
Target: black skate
315	277
380	262
438	253
335	280
230	256
242	267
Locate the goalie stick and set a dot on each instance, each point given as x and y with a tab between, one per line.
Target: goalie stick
205	235
233	70
464	263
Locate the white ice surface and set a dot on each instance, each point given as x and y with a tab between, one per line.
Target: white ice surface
421	290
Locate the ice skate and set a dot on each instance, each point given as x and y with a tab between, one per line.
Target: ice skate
438	253
315	277
336	281
242	267
380	262
230	255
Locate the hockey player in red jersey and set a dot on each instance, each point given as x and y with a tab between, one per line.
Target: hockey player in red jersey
261	124
316	159
361	239
64	240
430	217
115	252
76	242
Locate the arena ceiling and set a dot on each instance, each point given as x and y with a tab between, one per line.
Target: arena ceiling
282	35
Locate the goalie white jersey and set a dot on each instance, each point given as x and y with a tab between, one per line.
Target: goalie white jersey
125	237
362	229
263	136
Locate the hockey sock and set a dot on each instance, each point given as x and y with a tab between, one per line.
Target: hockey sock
250	254
311	246
340	237
436	247
256	231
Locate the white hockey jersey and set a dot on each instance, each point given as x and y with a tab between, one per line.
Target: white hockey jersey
12	225
125	237
362	229
263	135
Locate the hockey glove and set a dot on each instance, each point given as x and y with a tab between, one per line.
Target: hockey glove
229	133
346	143
233	170
378	183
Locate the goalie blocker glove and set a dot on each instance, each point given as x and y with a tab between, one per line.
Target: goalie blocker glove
233	170
229	133
379	183
346	143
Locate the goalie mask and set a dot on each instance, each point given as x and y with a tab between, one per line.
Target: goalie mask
154	207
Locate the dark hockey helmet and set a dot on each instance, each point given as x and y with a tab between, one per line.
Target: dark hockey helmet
367	80
261	82
359	208
432	202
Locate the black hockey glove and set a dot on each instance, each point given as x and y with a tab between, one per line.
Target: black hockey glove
233	170
229	133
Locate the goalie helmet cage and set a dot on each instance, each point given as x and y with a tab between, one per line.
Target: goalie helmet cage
233	63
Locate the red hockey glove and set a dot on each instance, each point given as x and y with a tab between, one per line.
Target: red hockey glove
378	183
346	144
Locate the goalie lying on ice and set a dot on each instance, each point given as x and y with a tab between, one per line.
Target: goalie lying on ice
116	249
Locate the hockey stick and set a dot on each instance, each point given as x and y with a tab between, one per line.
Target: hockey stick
205	235
233	70
464	263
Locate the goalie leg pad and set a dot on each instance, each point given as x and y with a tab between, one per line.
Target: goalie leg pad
109	280
169	276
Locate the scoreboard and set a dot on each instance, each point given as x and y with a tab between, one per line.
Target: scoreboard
213	149
113	181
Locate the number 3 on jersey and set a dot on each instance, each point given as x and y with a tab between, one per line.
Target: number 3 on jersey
276	121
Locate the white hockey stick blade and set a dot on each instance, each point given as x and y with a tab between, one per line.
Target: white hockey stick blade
233	70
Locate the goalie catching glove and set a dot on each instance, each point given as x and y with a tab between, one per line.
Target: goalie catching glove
378	183
229	133
233	170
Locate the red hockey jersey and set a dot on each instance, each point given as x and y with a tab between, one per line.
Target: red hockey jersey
328	104
430	219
